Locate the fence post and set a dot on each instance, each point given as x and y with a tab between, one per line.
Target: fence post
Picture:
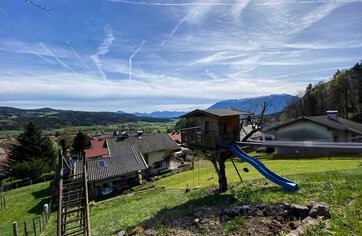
43	218
34	227
15	229
40	226
26	233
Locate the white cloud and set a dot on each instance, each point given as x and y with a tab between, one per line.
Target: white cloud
60	61
238	7
131	58
103	50
37	49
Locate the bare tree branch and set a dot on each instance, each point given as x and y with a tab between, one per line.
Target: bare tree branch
255	126
38	5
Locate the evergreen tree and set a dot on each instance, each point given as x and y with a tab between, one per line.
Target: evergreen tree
32	156
79	142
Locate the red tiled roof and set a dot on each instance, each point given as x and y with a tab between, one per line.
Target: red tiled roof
97	149
175	136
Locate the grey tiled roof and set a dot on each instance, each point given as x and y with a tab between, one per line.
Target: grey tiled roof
125	157
218	113
340	124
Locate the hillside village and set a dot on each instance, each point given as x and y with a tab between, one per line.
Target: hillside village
180	118
121	161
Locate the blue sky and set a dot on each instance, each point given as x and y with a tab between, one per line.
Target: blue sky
170	54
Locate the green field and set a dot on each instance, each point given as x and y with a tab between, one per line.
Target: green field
204	174
23	204
335	182
148	127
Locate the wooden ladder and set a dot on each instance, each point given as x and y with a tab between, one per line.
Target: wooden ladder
73	210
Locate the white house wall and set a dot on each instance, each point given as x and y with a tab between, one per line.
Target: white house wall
303	131
156	157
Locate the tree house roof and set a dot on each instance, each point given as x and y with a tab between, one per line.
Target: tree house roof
215	113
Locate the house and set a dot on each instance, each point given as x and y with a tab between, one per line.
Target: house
328	128
175	136
97	149
127	158
218	128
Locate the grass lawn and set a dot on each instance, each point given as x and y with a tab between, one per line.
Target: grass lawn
335	182
204	174
23	204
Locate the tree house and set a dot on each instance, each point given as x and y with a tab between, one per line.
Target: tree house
218	128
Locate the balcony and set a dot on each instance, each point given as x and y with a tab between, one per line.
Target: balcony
198	138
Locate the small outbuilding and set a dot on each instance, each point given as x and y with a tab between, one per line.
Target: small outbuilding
217	128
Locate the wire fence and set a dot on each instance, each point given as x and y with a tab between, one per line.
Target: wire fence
29	227
18	184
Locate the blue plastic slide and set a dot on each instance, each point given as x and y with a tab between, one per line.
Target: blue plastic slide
285	183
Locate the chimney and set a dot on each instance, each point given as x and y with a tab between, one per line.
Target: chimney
332	115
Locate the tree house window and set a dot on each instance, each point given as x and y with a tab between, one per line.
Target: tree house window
207	126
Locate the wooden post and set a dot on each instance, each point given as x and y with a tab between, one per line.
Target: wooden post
237	171
40	223
86	194
15	229
34	227
26	233
60	190
2	201
44	221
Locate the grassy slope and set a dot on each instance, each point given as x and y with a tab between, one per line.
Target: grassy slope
204	171
341	190
24	204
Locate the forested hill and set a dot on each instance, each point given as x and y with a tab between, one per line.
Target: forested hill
48	118
342	93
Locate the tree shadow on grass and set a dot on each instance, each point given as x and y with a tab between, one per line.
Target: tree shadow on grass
173	217
45	196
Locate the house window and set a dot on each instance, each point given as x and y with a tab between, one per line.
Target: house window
207	126
101	164
157	165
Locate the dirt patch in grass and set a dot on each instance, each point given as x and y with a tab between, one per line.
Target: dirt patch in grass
227	218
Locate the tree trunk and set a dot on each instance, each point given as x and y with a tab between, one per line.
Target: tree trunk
223	185
218	162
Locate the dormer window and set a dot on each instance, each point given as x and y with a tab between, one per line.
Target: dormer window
101	164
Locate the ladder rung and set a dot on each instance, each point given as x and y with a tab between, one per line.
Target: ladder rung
74	220
77	190
67	194
74	210
75	227
79	180
74	200
80	183
74	232
72	188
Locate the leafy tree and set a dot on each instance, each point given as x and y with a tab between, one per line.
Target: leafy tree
32	156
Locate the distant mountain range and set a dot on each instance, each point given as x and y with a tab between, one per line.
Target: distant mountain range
48	118
278	102
157	114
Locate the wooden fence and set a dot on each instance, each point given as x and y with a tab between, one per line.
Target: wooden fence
29	227
2	201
